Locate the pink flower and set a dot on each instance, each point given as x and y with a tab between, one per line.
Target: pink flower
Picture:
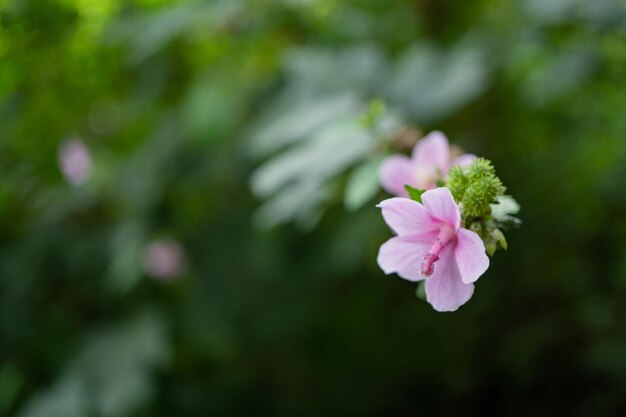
164	259
75	161
430	160
431	245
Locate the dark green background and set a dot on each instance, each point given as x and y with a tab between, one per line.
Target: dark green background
300	321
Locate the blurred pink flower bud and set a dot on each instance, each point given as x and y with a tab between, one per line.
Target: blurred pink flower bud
164	259
75	161
431	159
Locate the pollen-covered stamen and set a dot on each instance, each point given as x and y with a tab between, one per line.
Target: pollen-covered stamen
446	233
428	266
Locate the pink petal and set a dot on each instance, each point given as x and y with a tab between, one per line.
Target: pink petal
445	290
441	206
405	216
464	160
403	255
75	161
432	150
470	255
395	172
164	259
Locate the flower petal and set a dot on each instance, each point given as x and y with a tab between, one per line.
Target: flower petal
405	216
404	254
470	255
432	150
464	160
445	290
395	172
441	206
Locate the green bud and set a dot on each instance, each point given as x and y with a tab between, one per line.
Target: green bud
457	182
420	291
475	188
499	237
375	110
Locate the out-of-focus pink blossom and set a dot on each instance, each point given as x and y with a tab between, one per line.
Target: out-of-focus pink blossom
75	161
164	259
431	159
431	245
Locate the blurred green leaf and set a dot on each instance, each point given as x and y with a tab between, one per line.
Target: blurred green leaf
291	122
431	83
110	375
67	398
125	269
327	153
362	184
321	71
211	111
296	202
150	32
11	383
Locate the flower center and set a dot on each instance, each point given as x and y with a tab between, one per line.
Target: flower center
446	233
425	178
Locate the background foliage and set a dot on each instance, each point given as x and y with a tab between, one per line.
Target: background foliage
236	127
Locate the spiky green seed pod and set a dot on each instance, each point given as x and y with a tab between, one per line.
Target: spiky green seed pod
457	182
475	188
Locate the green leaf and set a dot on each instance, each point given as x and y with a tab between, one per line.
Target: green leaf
362	184
414	193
